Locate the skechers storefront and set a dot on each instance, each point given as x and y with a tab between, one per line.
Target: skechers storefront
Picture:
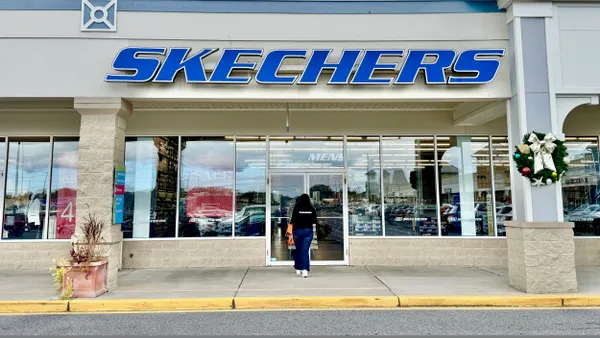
397	118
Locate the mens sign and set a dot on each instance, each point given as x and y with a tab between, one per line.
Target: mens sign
354	66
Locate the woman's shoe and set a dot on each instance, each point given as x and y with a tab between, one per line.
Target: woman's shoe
298	272
304	274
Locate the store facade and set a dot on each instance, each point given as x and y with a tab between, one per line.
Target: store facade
399	123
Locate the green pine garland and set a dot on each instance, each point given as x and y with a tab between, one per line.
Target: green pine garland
527	161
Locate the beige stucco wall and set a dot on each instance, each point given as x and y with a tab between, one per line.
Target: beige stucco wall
308	122
39	123
191	253
429	251
251	252
583	121
587	251
31	255
451	251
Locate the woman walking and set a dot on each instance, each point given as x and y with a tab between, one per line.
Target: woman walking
304	217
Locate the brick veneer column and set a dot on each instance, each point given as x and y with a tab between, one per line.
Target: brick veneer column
101	147
541	257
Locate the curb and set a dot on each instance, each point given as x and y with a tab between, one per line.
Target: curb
591	300
33	306
171	304
315	302
298	302
482	301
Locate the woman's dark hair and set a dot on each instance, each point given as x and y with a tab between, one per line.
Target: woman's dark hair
304	203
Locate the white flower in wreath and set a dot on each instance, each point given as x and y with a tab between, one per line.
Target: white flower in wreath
567	160
537	182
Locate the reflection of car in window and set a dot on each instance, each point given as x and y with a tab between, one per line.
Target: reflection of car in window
586	218
251	210
586	214
253	225
502	215
453	218
250	221
14	224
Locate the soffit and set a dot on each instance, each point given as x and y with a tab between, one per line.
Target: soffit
55	104
29	104
183	105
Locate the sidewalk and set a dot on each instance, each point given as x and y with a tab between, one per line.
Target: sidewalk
279	287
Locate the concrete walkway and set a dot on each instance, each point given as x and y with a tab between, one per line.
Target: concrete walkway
281	281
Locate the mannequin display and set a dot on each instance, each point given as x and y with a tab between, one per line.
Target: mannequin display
33	212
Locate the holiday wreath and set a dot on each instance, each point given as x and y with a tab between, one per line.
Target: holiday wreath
542	158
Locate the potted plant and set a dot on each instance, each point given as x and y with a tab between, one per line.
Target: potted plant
84	274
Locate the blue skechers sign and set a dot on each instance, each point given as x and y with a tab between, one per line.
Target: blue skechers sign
354	66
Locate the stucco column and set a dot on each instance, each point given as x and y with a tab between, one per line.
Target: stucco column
537	211
101	147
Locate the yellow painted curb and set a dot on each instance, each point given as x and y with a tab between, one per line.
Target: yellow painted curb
172	304
299	302
484	301
33	306
582	301
316	302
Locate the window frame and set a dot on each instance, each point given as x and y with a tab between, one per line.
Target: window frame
225	138
265	144
51	178
2	185
6	140
473	138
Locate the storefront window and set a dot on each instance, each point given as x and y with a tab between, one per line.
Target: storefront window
26	188
502	163
409	186
250	186
312	152
206	187
61	220
2	178
465	188
364	186
581	190
150	187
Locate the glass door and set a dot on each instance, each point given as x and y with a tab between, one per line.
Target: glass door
285	189
327	196
326	191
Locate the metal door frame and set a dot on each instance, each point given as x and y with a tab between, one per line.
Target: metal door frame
306	173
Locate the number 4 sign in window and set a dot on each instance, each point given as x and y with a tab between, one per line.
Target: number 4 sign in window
65	213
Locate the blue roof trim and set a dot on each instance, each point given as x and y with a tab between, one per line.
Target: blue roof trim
274	6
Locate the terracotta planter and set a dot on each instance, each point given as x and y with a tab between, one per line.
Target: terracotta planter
89	279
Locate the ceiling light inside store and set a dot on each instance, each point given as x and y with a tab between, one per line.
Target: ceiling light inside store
429	138
585	138
253	138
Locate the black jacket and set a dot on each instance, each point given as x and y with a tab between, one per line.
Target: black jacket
304	219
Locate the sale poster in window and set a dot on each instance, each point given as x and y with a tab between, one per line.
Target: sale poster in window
209	202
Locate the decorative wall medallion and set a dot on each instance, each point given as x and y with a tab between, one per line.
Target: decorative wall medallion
98	15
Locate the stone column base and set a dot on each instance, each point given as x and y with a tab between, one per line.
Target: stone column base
114	254
541	257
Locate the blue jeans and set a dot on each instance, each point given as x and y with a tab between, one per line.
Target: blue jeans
302	240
